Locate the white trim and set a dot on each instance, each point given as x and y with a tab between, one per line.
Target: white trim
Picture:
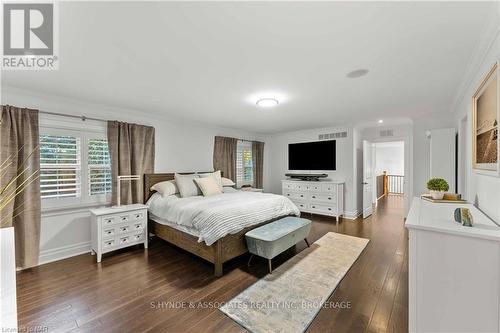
352	215
63	252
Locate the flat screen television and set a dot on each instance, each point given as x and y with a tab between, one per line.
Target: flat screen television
318	155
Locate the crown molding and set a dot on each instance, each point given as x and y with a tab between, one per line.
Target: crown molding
483	47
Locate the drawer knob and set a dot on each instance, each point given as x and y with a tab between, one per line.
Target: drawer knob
329	209
301	195
314	197
314	206
329	198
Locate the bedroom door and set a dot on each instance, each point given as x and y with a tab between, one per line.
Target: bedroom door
367	179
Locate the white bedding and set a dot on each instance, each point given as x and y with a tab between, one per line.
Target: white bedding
216	216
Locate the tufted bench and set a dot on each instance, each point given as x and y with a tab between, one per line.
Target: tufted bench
273	238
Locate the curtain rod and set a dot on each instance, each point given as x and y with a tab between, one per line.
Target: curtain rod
83	118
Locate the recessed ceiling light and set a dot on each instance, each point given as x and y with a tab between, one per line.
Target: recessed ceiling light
267	102
380	121
357	73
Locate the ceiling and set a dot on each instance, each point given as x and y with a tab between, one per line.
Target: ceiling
209	62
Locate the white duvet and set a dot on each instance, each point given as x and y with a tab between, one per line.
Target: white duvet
216	216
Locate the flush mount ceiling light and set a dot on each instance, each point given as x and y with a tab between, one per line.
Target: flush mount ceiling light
380	121
267	102
357	73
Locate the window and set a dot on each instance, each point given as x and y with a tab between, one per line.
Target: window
99	167
75	167
59	166
244	164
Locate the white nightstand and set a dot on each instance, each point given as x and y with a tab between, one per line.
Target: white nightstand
118	227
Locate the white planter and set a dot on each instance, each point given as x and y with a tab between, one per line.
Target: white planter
437	195
8	306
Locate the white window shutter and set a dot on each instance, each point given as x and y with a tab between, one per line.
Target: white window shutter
59	166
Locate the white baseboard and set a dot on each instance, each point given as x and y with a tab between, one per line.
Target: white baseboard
352	215
63	252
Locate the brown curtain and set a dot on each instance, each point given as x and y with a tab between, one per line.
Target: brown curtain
258	163
225	156
19	181
132	150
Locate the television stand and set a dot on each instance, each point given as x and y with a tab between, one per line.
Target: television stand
307	176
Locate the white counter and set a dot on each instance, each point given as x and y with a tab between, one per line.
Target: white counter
438	217
454	271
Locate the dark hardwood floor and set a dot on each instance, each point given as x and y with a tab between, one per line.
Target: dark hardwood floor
125	292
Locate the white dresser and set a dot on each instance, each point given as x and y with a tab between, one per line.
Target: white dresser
118	227
318	197
454	281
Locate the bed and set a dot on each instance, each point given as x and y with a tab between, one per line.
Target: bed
212	228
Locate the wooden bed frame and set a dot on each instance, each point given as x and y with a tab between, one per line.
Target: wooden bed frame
226	248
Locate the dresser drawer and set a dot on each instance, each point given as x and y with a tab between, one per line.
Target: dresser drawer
296	196
330	188
322	208
331	197
288	186
301	205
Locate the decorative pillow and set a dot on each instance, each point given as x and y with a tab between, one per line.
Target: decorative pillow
165	188
215	175
227	182
187	186
229	189
208	186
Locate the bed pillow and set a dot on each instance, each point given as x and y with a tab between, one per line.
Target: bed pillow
208	186
216	175
165	188
187	186
227	182
229	189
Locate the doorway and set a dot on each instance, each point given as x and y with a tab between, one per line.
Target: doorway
387	169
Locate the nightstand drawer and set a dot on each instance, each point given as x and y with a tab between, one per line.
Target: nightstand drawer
139	216
108	233
124	229
138	237
108	220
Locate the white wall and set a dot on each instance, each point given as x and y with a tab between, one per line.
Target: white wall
481	189
422	147
390	157
277	161
180	146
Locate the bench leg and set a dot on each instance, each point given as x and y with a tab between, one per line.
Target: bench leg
270	266
307	242
249	260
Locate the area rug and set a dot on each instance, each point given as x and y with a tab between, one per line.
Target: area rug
288	299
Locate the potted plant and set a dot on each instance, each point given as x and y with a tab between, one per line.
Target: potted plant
437	187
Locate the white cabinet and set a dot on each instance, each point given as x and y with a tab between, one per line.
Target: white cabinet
8	300
119	227
318	197
454	281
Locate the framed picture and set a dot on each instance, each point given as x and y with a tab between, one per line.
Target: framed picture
485	115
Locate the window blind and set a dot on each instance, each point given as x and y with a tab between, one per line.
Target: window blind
59	166
244	164
99	167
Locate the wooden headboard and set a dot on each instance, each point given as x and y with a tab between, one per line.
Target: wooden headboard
152	178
